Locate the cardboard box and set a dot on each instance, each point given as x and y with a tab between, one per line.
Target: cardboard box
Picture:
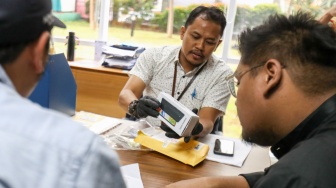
175	115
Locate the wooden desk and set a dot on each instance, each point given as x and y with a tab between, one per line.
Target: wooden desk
158	170
98	88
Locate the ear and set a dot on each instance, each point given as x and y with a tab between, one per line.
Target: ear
182	31
39	55
272	76
219	42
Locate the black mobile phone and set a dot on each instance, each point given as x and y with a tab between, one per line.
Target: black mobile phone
224	147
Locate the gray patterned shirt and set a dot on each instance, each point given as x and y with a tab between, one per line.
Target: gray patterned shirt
209	89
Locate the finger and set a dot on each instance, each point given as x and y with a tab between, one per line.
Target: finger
165	127
172	135
152	104
195	110
151	112
141	113
187	139
169	132
152	99
197	129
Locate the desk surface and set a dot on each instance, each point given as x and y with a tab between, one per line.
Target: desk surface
158	170
95	66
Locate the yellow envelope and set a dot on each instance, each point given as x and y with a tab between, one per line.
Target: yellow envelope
190	153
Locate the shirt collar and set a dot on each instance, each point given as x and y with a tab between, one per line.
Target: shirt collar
306	128
5	79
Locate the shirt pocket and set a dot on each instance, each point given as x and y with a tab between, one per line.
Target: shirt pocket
194	99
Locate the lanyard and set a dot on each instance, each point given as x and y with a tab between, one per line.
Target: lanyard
190	82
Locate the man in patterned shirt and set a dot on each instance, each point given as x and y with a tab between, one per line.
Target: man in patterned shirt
172	68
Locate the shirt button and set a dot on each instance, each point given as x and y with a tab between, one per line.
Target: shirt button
183	76
178	93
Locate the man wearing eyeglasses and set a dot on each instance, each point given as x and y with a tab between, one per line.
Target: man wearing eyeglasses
286	98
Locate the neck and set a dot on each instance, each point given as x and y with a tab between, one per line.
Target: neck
293	115
19	74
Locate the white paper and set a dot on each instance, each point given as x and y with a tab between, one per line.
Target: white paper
241	151
118	52
131	175
97	123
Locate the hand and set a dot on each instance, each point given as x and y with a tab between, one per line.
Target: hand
172	134
328	15
332	11
147	106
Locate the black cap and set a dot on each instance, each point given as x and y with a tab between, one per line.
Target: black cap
24	20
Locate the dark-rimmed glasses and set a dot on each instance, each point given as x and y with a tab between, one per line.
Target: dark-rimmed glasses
232	79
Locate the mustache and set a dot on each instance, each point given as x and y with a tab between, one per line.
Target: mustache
197	52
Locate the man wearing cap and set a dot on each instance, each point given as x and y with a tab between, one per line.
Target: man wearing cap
40	147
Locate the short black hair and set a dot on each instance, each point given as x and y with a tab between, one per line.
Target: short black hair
212	13
303	45
10	52
24	20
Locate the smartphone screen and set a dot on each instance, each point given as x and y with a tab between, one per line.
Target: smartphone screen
224	147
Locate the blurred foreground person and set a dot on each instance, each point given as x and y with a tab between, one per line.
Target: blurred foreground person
41	147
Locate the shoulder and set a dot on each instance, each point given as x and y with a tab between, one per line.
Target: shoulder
315	155
40	125
159	52
218	66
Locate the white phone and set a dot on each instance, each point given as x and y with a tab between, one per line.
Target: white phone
224	147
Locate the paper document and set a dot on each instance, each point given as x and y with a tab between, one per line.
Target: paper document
241	151
119	63
131	175
97	123
118	52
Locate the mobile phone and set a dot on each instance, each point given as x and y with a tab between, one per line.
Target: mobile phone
224	147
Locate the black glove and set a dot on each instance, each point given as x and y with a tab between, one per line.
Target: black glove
172	134
147	106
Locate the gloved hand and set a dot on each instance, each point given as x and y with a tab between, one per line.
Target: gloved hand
147	106
172	134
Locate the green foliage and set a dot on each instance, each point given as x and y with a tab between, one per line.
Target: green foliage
143	7
251	17
310	6
245	15
180	16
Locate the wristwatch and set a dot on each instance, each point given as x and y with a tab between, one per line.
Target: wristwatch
132	108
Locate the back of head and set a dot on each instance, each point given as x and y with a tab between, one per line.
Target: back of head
304	46
212	13
21	22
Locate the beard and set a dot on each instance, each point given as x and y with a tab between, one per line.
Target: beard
260	137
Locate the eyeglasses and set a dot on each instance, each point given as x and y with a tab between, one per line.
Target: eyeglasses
232	80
